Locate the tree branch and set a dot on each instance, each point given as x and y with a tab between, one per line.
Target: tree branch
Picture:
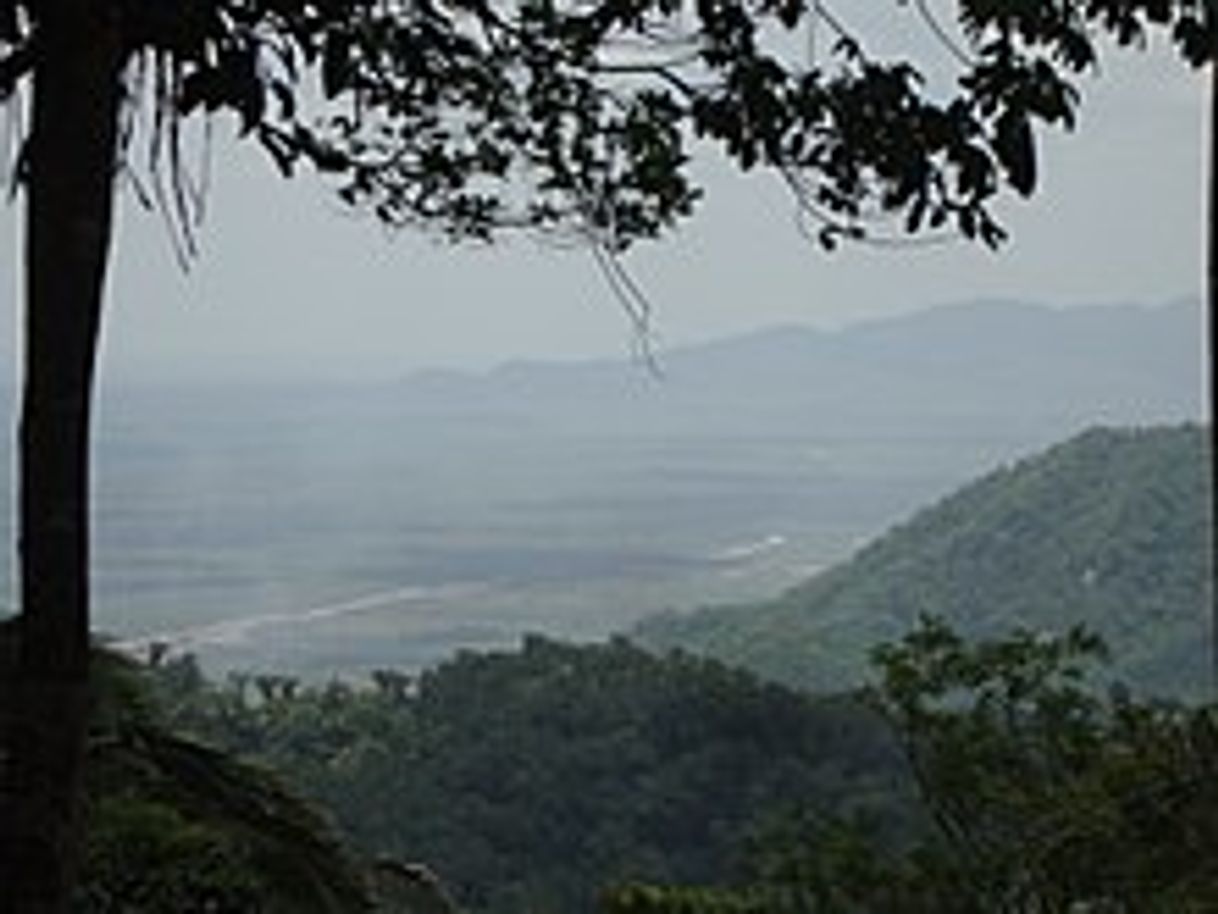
16	64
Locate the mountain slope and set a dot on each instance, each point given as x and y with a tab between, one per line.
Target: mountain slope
1108	529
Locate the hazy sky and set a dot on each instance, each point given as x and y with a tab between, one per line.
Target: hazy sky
289	284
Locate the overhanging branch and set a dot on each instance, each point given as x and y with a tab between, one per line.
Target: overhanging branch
14	65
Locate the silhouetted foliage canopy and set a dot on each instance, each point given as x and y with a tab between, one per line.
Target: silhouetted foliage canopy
474	115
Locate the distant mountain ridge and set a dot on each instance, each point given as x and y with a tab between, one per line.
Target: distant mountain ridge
955	360
973	362
594	492
1109	529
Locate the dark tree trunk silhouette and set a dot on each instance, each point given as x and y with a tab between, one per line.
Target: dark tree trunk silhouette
71	164
1211	311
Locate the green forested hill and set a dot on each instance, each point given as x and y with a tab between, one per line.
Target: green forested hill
1108	529
531	779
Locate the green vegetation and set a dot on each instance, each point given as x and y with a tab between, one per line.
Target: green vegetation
1109	529
180	827
529	780
1041	797
974	777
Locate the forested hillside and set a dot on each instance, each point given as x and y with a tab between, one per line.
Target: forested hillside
1108	529
531	779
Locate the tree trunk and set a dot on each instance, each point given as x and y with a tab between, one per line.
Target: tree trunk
71	166
1211	310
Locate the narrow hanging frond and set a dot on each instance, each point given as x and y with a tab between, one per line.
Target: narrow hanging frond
634	303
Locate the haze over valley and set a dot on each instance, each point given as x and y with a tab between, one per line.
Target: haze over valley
320	528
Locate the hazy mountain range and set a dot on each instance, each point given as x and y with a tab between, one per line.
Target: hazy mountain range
975	365
330	526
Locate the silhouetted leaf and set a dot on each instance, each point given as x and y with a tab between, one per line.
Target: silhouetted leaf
1016	150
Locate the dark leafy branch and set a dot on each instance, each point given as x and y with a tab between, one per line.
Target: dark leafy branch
474	116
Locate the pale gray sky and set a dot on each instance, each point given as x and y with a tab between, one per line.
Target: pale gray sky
289	284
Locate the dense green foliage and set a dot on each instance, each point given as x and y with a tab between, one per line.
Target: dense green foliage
987	777
179	827
1108	529
1043	797
529	780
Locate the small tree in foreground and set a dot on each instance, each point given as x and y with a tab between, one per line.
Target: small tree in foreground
1039	796
473	116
